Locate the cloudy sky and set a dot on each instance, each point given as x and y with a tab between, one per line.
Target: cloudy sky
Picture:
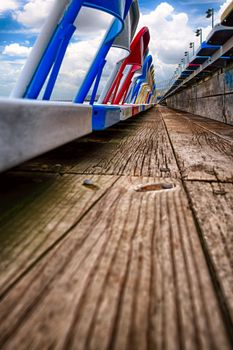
171	23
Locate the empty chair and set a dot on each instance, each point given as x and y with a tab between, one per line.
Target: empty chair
122	41
130	65
49	50
142	78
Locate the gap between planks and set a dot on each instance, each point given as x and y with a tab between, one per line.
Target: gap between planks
214	225
200	154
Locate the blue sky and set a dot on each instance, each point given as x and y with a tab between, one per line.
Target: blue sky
172	25
10	29
192	7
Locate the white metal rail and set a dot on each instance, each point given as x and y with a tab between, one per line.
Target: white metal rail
30	128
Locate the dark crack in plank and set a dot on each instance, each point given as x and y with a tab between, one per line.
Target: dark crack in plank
213	207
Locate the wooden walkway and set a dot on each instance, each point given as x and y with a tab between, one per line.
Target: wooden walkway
121	240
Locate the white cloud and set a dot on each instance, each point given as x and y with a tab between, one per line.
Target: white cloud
170	37
171	34
16	50
8	5
78	59
9	73
34	13
92	21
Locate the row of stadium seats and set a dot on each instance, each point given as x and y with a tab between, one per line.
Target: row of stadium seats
30	126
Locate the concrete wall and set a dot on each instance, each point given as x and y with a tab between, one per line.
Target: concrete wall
211	98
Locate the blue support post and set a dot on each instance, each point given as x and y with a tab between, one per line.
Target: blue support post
58	61
55	51
149	97
47	61
136	91
106	45
97	81
142	78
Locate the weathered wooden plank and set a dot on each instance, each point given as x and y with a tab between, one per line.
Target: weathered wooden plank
213	207
35	223
221	129
201	155
139	148
18	189
131	274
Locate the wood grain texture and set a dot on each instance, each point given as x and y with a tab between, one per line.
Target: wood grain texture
214	212
219	129
137	147
46	215
131	274
111	265
201	154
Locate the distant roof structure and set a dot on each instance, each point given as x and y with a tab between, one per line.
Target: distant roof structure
219	35
227	16
199	59
207	49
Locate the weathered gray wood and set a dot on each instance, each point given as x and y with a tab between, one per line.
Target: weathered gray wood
112	264
139	147
214	212
130	274
213	126
35	225
201	155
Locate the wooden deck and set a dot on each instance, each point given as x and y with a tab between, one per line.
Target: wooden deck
122	240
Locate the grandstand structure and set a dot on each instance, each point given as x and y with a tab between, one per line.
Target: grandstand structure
214	53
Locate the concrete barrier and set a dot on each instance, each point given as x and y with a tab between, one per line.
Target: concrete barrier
212	97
